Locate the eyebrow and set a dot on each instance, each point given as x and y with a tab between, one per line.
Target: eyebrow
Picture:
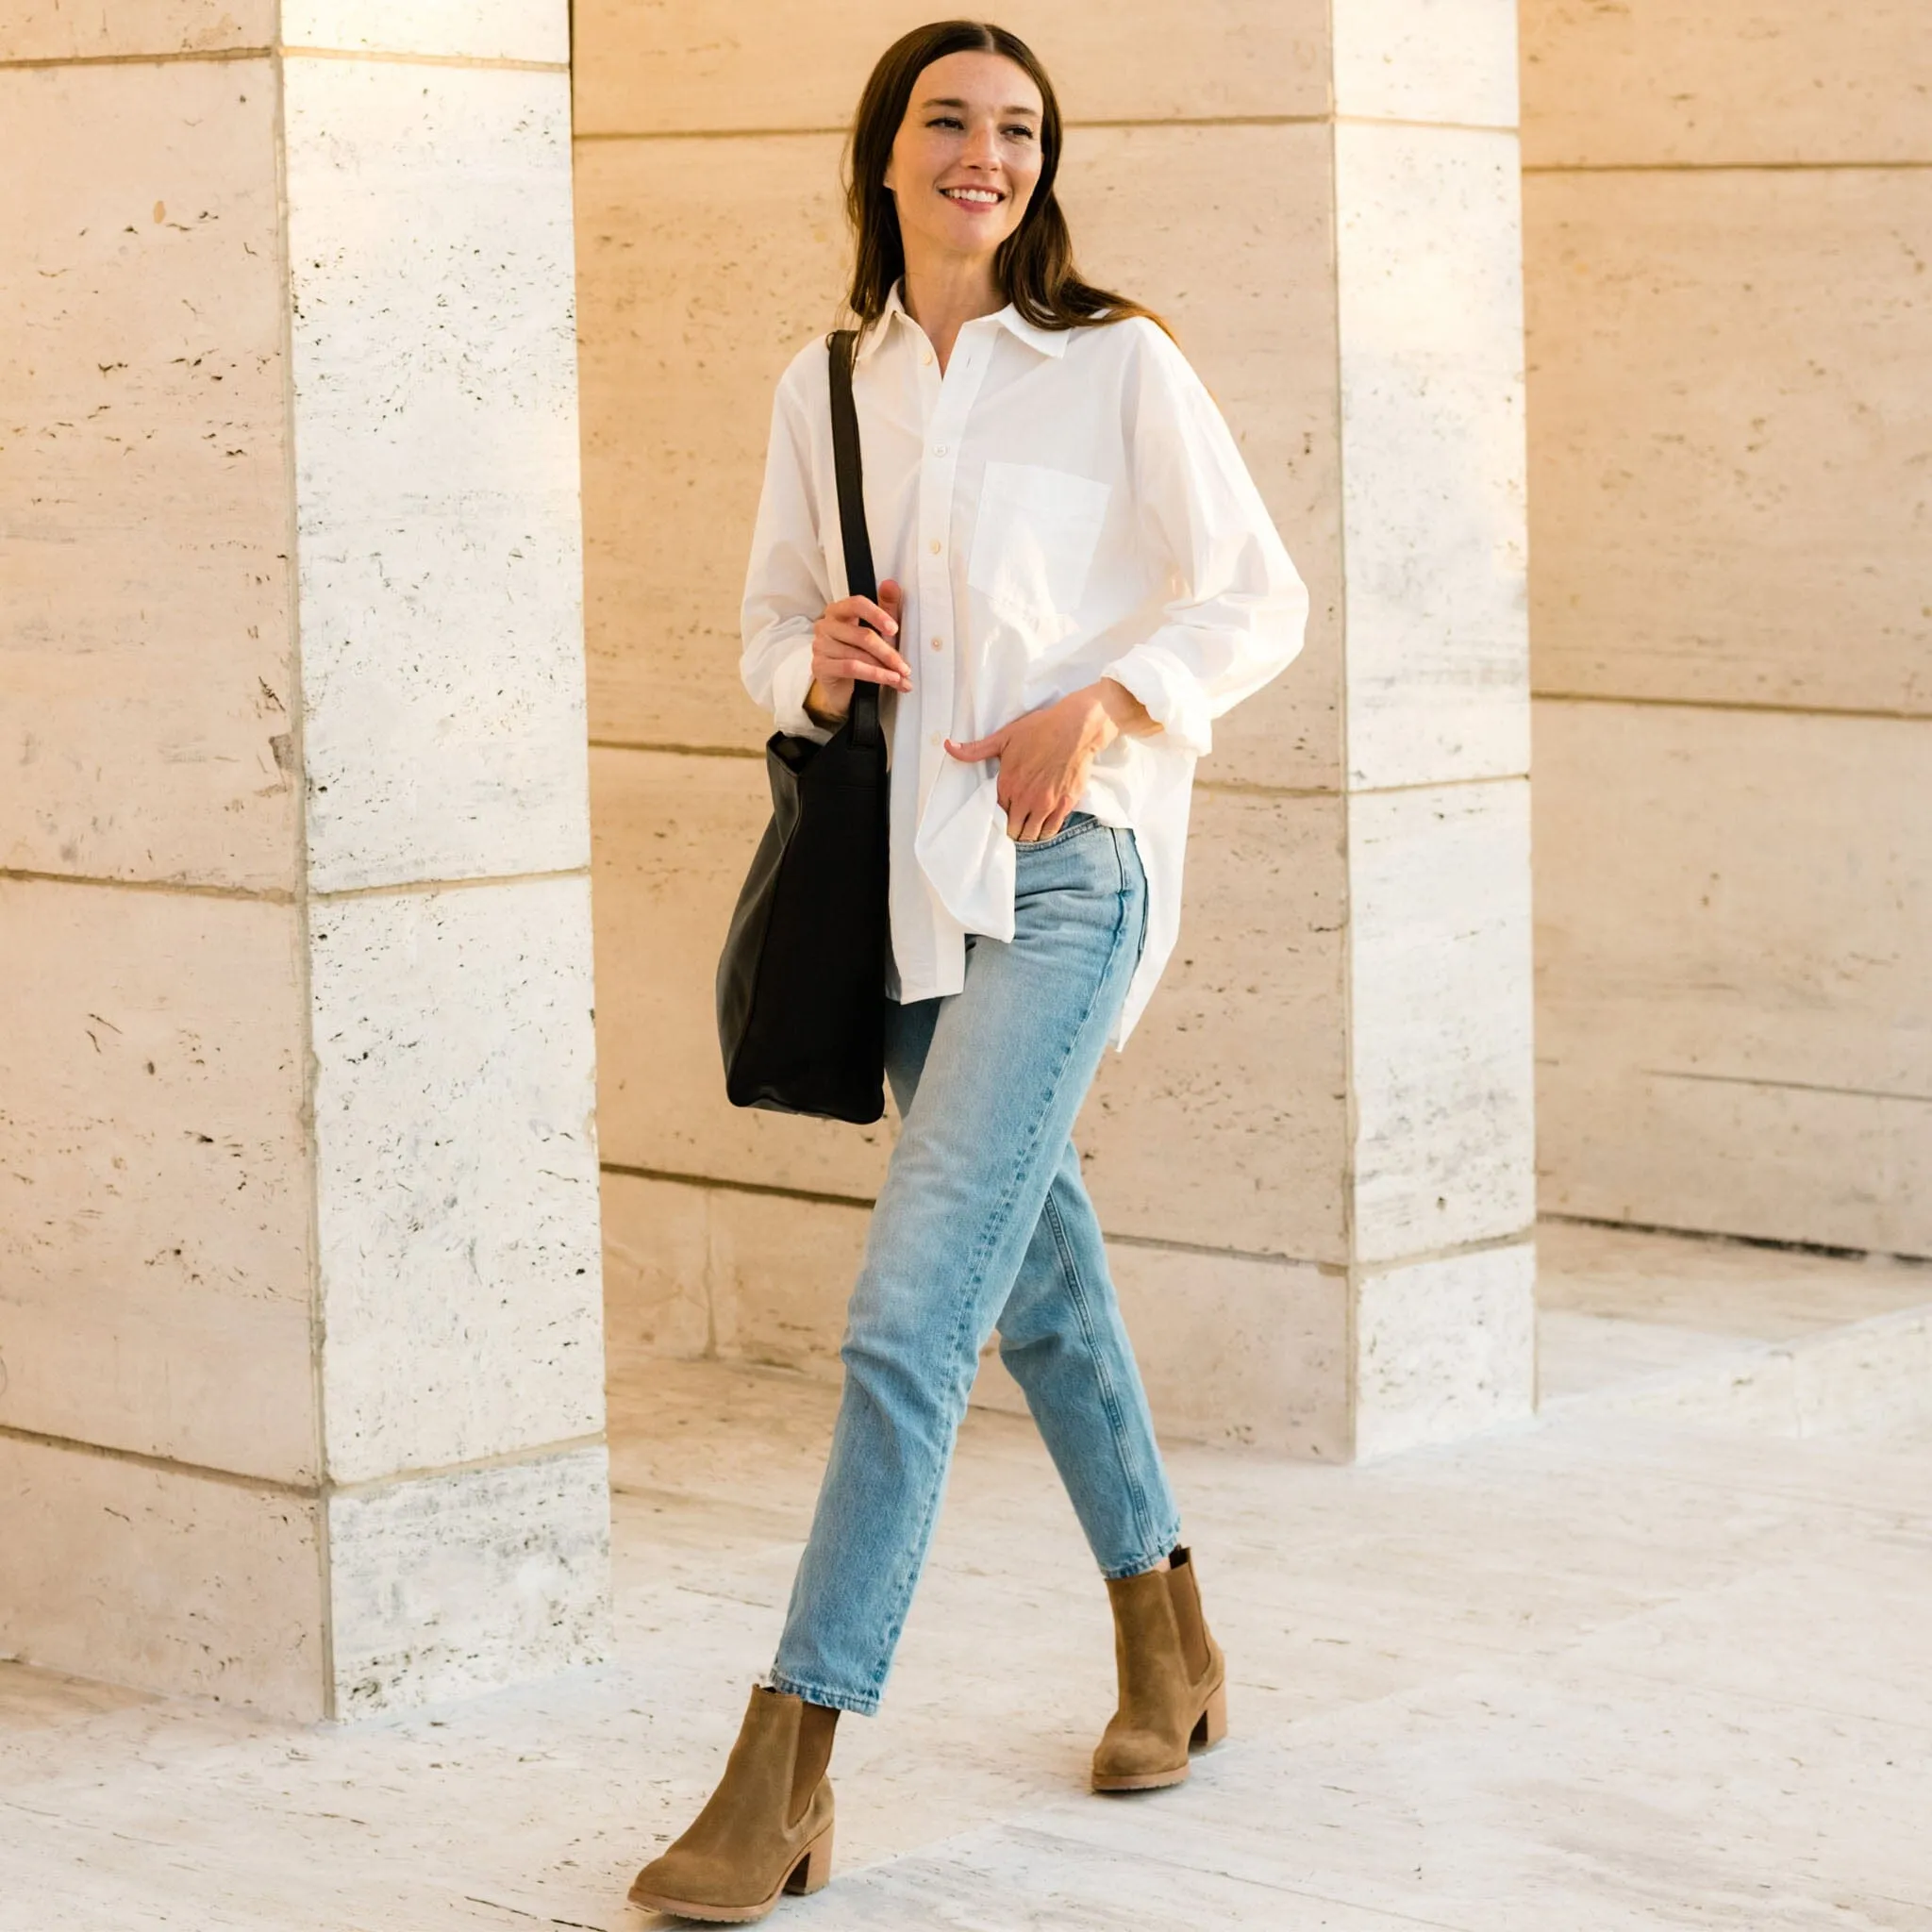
1032	112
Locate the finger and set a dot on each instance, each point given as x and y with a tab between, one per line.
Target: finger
862	671
976	753
1050	825
862	643
863	611
893	597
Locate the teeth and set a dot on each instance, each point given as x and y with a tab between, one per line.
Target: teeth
980	195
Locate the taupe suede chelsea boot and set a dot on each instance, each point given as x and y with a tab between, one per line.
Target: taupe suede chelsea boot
1173	1676
767	1828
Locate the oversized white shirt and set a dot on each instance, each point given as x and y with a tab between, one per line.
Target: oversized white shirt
1059	507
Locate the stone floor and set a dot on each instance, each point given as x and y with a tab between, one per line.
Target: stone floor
1603	1671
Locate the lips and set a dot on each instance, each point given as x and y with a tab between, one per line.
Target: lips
973	197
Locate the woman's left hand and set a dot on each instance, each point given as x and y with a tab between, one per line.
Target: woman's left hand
1044	755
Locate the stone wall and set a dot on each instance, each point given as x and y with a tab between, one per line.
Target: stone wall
300	1368
1726	216
1313	1160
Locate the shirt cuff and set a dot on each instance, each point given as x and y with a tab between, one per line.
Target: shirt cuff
789	683
1171	694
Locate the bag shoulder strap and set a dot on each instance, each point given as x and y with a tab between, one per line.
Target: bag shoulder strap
859	580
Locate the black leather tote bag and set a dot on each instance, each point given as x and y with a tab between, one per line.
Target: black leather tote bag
802	982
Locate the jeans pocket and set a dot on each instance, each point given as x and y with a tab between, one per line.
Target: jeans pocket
1078	823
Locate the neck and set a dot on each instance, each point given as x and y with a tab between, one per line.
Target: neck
942	293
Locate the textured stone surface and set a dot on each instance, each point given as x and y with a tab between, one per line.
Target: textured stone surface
430	245
1433	455
1440	1016
1444	60
1718	81
1548	1673
453	29
160	1577
694	299
454	1584
709	65
154	1240
1444	1348
456	1173
1734	915
93	29
1734	436
146	704
657	1267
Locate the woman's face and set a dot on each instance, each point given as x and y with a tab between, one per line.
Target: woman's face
967	155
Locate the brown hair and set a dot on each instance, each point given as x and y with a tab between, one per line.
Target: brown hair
1033	267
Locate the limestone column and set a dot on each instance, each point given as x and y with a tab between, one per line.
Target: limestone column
300	1352
1314	1161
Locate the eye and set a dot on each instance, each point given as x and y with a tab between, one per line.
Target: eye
945	120
1019	131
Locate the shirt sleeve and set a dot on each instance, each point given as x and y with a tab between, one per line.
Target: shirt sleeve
786	586
1242	609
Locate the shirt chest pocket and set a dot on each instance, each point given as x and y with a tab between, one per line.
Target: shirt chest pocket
1034	540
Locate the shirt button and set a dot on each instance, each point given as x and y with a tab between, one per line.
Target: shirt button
936	547
939	643
939	449
926	359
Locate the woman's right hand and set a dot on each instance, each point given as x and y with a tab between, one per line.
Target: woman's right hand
850	642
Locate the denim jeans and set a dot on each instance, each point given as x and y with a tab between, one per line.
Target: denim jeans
983	1222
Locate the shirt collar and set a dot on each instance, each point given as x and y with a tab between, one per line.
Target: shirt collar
1049	341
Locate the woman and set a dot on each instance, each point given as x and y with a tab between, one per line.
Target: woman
1085	579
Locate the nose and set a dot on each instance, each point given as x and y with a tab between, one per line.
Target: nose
982	147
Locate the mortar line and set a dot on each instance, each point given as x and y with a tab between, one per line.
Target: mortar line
1720	167
318	1491
481	62
1822	1249
682	751
1591	697
184	56
403	888
1103	122
304	978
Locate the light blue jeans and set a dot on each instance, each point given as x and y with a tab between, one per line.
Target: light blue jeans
983	1222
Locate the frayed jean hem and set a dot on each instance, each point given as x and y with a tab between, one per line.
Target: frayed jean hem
1114	1572
859	1702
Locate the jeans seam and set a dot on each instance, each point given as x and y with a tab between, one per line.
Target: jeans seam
1110	1397
1000	1216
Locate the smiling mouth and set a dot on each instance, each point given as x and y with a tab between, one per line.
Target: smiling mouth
973	197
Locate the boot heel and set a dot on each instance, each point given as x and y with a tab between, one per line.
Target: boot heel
1211	1726
815	1870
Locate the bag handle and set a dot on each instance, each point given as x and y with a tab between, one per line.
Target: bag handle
859	580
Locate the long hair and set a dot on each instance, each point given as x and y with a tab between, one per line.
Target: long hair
1033	267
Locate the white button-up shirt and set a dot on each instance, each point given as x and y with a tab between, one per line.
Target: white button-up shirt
1059	507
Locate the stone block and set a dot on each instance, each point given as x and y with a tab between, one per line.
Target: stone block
1432	453
1440	1012
1444	1348
713	67
1229	233
154	1251
1734	436
720	1271
532	30
456	1173
1224	1125
435	400
453	1584
178	1582
657	1267
1440	60
123	29
694	299
145	721
674	837
1689	83
1734	912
